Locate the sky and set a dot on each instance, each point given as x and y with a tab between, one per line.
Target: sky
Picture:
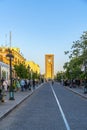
42	27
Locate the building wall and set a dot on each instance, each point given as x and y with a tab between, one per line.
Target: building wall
33	66
18	58
49	66
4	71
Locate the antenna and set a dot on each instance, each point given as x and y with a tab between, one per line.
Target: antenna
6	39
10	39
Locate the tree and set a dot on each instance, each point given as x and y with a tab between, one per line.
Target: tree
77	56
21	70
60	76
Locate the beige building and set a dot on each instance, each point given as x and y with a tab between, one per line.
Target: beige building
18	58
49	66
4	70
33	66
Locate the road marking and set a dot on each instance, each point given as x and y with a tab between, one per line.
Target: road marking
60	108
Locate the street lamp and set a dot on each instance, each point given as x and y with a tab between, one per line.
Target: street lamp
85	70
31	73
11	91
28	71
70	71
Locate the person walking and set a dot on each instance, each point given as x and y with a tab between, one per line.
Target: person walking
1	93
29	84
33	83
52	82
22	83
17	85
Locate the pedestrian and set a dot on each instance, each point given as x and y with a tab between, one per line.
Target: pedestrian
1	94
52	82
22	83
4	87
14	85
29	84
25	85
18	85
33	83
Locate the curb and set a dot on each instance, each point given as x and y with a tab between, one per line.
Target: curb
67	87
83	96
14	106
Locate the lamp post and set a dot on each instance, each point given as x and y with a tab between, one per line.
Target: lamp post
31	73
70	71
11	91
28	71
85	70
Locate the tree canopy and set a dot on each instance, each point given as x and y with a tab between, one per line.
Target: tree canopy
77	56
21	70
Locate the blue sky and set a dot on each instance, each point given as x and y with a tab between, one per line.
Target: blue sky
42	27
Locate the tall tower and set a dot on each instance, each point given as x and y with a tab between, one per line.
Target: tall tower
49	66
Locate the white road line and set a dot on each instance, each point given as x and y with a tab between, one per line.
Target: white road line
60	108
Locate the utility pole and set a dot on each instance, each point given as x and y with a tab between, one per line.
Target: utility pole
10	57
10	39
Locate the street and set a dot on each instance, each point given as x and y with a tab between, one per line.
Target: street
49	108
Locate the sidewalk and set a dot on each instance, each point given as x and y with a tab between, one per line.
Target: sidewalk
7	106
79	91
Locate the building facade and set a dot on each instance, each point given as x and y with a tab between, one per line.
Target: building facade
33	66
4	71
49	66
18	58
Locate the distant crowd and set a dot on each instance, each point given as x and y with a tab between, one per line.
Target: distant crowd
17	85
74	83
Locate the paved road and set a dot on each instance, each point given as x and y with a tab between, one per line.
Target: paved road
74	107
49	108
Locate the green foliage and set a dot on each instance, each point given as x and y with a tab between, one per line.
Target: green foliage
35	75
60	75
21	70
25	72
77	56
